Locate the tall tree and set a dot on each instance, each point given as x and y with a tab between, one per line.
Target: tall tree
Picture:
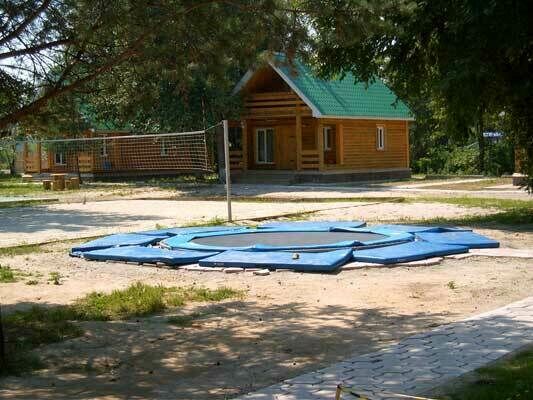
475	55
49	48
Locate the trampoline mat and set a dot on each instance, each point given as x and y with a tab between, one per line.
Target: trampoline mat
285	239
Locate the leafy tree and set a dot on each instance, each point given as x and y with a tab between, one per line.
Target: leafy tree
475	56
50	48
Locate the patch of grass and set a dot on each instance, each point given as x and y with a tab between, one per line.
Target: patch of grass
140	300
20	250
477	185
451	285
511	378
55	278
7	275
13	186
210	222
512	212
26	330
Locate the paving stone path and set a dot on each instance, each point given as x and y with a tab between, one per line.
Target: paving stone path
417	363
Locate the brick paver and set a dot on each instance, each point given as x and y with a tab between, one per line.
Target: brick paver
419	362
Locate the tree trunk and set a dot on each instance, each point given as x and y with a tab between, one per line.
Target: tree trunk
3	360
481	142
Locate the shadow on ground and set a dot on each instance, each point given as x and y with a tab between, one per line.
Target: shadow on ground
238	347
38	219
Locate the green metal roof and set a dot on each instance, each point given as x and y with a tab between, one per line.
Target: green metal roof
341	97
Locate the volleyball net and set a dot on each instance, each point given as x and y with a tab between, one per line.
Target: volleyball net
113	154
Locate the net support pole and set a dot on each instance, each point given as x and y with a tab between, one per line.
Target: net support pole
227	166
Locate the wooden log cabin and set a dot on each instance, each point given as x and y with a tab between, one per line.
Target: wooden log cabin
298	128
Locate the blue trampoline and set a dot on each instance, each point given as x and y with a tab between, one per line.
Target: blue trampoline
303	246
283	239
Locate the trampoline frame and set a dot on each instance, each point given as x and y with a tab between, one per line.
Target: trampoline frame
184	242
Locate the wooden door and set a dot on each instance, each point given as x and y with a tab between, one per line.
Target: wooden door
286	147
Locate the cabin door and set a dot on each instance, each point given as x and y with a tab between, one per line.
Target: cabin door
286	147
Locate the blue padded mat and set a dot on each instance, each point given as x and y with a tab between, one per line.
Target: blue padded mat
313	225
411	251
190	230
419	228
147	255
120	239
325	262
470	239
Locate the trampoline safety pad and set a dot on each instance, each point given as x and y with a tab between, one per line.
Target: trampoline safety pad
301	246
319	262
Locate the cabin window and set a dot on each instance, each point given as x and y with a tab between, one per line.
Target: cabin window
329	137
380	138
103	149
235	138
264	139
60	159
164	148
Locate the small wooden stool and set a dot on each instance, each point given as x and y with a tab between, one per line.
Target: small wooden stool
74	183
58	181
47	184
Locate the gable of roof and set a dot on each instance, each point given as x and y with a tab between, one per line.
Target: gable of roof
337	98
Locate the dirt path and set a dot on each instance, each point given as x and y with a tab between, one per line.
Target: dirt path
76	220
67	221
287	324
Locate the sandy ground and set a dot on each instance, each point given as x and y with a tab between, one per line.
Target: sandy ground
75	220
287	324
66	221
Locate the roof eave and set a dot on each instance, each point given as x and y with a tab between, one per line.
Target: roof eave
366	117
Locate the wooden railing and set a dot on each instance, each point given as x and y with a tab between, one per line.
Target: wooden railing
310	159
236	161
275	104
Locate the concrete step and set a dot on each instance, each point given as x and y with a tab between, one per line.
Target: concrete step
264	177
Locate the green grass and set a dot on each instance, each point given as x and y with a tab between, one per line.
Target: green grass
21	250
26	330
13	186
7	275
55	278
508	379
210	222
140	300
512	212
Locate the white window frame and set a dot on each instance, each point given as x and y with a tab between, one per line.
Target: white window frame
380	137
264	144
325	132
61	157
103	150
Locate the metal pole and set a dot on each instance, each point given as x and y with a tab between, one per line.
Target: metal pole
227	166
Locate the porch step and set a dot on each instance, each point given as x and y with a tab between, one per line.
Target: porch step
265	177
